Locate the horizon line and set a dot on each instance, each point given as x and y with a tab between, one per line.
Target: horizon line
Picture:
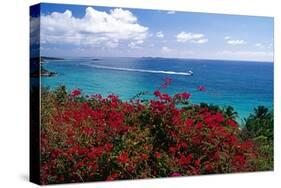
183	58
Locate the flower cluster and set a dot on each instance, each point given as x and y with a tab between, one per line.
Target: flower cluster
166	83
96	138
201	88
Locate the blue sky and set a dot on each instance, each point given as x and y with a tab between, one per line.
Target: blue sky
71	30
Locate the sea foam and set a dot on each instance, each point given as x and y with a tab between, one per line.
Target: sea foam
141	70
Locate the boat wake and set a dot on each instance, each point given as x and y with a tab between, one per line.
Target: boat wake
188	73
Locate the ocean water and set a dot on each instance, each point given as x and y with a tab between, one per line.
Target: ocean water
243	85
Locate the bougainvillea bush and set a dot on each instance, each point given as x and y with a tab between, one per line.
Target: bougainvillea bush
92	138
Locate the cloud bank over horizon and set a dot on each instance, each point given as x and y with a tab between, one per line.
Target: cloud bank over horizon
102	31
96	28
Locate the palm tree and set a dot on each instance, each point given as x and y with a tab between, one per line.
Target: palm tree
230	113
261	112
259	123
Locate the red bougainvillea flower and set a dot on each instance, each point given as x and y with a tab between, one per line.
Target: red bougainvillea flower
185	95
157	93
197	162
239	160
87	131
231	123
185	160
144	156
189	123
107	139
182	96
108	147
123	157
172	149
112	177
157	155
175	174
201	88
208	167
165	97
55	153
75	92
199	125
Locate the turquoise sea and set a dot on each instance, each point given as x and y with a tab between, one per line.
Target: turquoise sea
241	84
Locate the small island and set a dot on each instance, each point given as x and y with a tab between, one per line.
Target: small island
43	59
43	72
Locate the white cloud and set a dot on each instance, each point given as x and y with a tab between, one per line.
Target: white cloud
95	28
200	41
111	44
259	45
171	12
227	37
247	55
166	49
135	44
236	42
159	34
123	15
191	37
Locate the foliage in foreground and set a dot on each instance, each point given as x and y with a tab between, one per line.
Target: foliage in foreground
95	138
259	127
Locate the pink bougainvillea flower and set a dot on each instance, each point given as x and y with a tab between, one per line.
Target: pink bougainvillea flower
75	92
166	83
157	93
201	88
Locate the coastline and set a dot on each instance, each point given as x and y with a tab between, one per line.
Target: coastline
240	92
